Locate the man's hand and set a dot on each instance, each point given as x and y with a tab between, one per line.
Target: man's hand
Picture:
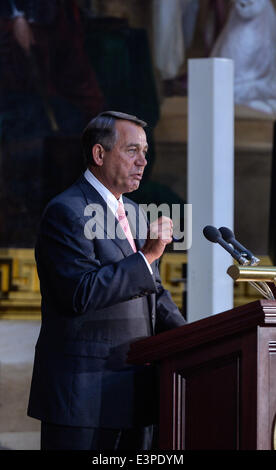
23	33
159	235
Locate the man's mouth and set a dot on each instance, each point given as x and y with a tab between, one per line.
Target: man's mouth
137	176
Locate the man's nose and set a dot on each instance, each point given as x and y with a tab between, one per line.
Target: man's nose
141	159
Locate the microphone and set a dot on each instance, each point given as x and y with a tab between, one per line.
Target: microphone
213	235
229	237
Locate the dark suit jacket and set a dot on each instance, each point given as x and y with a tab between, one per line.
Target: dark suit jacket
97	297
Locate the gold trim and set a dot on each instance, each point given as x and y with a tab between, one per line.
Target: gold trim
252	273
19	284
171	274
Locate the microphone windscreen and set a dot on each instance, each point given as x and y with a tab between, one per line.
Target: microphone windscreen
211	233
227	234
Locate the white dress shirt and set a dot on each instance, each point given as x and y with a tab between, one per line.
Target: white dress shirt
110	200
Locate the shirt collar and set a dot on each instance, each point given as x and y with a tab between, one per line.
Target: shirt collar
109	198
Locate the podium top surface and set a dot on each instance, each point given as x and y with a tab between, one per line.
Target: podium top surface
261	313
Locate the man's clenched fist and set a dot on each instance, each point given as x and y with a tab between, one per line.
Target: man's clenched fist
159	235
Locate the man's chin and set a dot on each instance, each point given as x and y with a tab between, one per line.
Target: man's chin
133	187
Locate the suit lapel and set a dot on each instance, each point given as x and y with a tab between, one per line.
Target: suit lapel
109	224
138	225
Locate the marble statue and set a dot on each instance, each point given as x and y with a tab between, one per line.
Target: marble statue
173	28
249	38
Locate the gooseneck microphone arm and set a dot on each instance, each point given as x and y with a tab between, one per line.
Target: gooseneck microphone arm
229	237
213	235
226	239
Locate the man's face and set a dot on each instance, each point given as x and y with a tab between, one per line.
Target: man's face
123	166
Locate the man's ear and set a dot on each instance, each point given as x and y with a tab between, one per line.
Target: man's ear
98	154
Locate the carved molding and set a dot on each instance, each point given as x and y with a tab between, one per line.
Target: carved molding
19	284
171	272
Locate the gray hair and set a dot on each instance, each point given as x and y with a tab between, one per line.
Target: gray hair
101	130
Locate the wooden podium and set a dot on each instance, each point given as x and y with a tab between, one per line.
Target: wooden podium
217	380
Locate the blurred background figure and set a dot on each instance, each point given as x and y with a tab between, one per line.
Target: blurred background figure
42	48
48	91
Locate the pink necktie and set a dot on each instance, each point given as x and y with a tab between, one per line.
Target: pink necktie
125	225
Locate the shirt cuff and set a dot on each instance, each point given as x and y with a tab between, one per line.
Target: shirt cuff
146	261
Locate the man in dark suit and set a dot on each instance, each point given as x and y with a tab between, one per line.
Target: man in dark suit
101	290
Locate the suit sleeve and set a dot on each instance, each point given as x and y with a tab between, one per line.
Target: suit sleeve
72	275
168	315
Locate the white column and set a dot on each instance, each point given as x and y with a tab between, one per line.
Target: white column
210	182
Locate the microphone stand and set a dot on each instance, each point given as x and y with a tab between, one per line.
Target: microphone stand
247	269
264	289
257	276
